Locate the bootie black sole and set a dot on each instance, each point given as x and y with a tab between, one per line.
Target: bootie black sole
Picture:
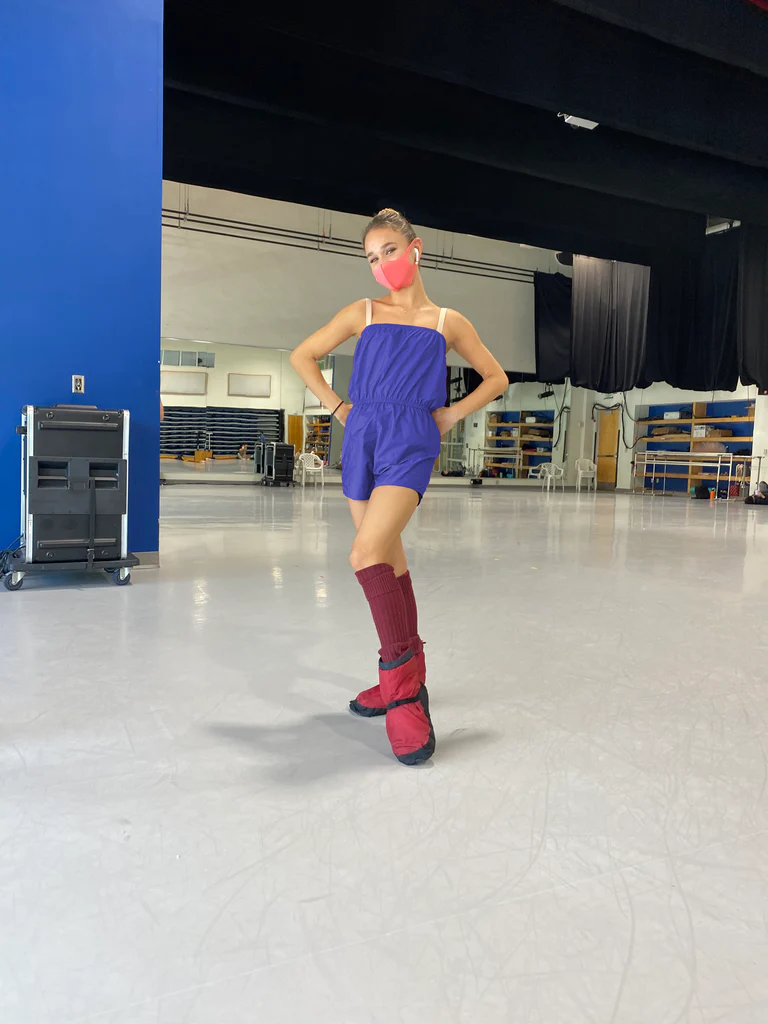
365	712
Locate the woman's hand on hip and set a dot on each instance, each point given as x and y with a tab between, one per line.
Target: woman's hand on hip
445	418
342	412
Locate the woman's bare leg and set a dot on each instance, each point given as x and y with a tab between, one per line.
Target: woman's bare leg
396	556
381	524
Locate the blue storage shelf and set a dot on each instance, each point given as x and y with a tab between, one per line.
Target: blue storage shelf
736	416
523	443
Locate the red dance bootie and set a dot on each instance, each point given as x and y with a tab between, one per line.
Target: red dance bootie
370	703
409	726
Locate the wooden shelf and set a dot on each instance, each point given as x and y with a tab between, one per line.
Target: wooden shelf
682	456
723	478
667	476
506	453
657	423
724	419
517	423
727	440
699	419
744	438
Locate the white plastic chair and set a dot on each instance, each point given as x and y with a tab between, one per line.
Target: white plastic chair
586	470
311	464
550	474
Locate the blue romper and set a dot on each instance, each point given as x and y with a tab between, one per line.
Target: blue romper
391	438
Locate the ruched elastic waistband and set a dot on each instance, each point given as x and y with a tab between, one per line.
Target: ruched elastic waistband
425	406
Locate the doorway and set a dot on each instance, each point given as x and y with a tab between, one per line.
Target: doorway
607	448
295	433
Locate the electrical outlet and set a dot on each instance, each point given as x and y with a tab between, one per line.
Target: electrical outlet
78	384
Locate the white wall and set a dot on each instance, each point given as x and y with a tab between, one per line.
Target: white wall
760	443
287	386
248	291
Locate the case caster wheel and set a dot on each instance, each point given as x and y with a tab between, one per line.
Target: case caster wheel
13	581
120	577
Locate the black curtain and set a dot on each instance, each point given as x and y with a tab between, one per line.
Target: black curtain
707	322
671	319
553	326
472	378
608	332
693	318
753	306
709	353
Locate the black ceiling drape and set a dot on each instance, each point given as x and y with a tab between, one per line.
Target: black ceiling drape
709	353
553	326
733	33
609	319
693	318
706	327
753	306
671	319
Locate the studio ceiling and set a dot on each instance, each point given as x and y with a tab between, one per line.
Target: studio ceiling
449	111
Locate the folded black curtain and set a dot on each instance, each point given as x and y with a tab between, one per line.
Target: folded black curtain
671	318
472	378
553	326
693	317
752	323
709	353
609	322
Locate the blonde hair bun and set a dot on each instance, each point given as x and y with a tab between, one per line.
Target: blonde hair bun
389	218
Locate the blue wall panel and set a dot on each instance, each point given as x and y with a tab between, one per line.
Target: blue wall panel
81	178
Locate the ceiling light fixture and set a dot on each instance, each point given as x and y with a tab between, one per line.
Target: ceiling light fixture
579	122
716	227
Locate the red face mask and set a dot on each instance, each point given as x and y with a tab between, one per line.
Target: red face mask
399	273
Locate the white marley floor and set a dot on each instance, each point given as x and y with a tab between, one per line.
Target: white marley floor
194	830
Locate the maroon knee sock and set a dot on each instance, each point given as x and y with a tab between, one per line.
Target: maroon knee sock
406	586
388	608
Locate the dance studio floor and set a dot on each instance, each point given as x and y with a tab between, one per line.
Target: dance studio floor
193	830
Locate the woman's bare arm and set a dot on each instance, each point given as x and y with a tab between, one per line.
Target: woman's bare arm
464	339
304	358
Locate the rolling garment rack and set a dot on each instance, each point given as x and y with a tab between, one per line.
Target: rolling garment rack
74	494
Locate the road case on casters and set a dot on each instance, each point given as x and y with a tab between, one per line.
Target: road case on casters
74	494
278	464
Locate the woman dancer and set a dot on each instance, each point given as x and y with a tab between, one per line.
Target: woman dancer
394	423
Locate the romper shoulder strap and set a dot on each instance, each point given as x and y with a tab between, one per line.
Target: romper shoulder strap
368	312
441	321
